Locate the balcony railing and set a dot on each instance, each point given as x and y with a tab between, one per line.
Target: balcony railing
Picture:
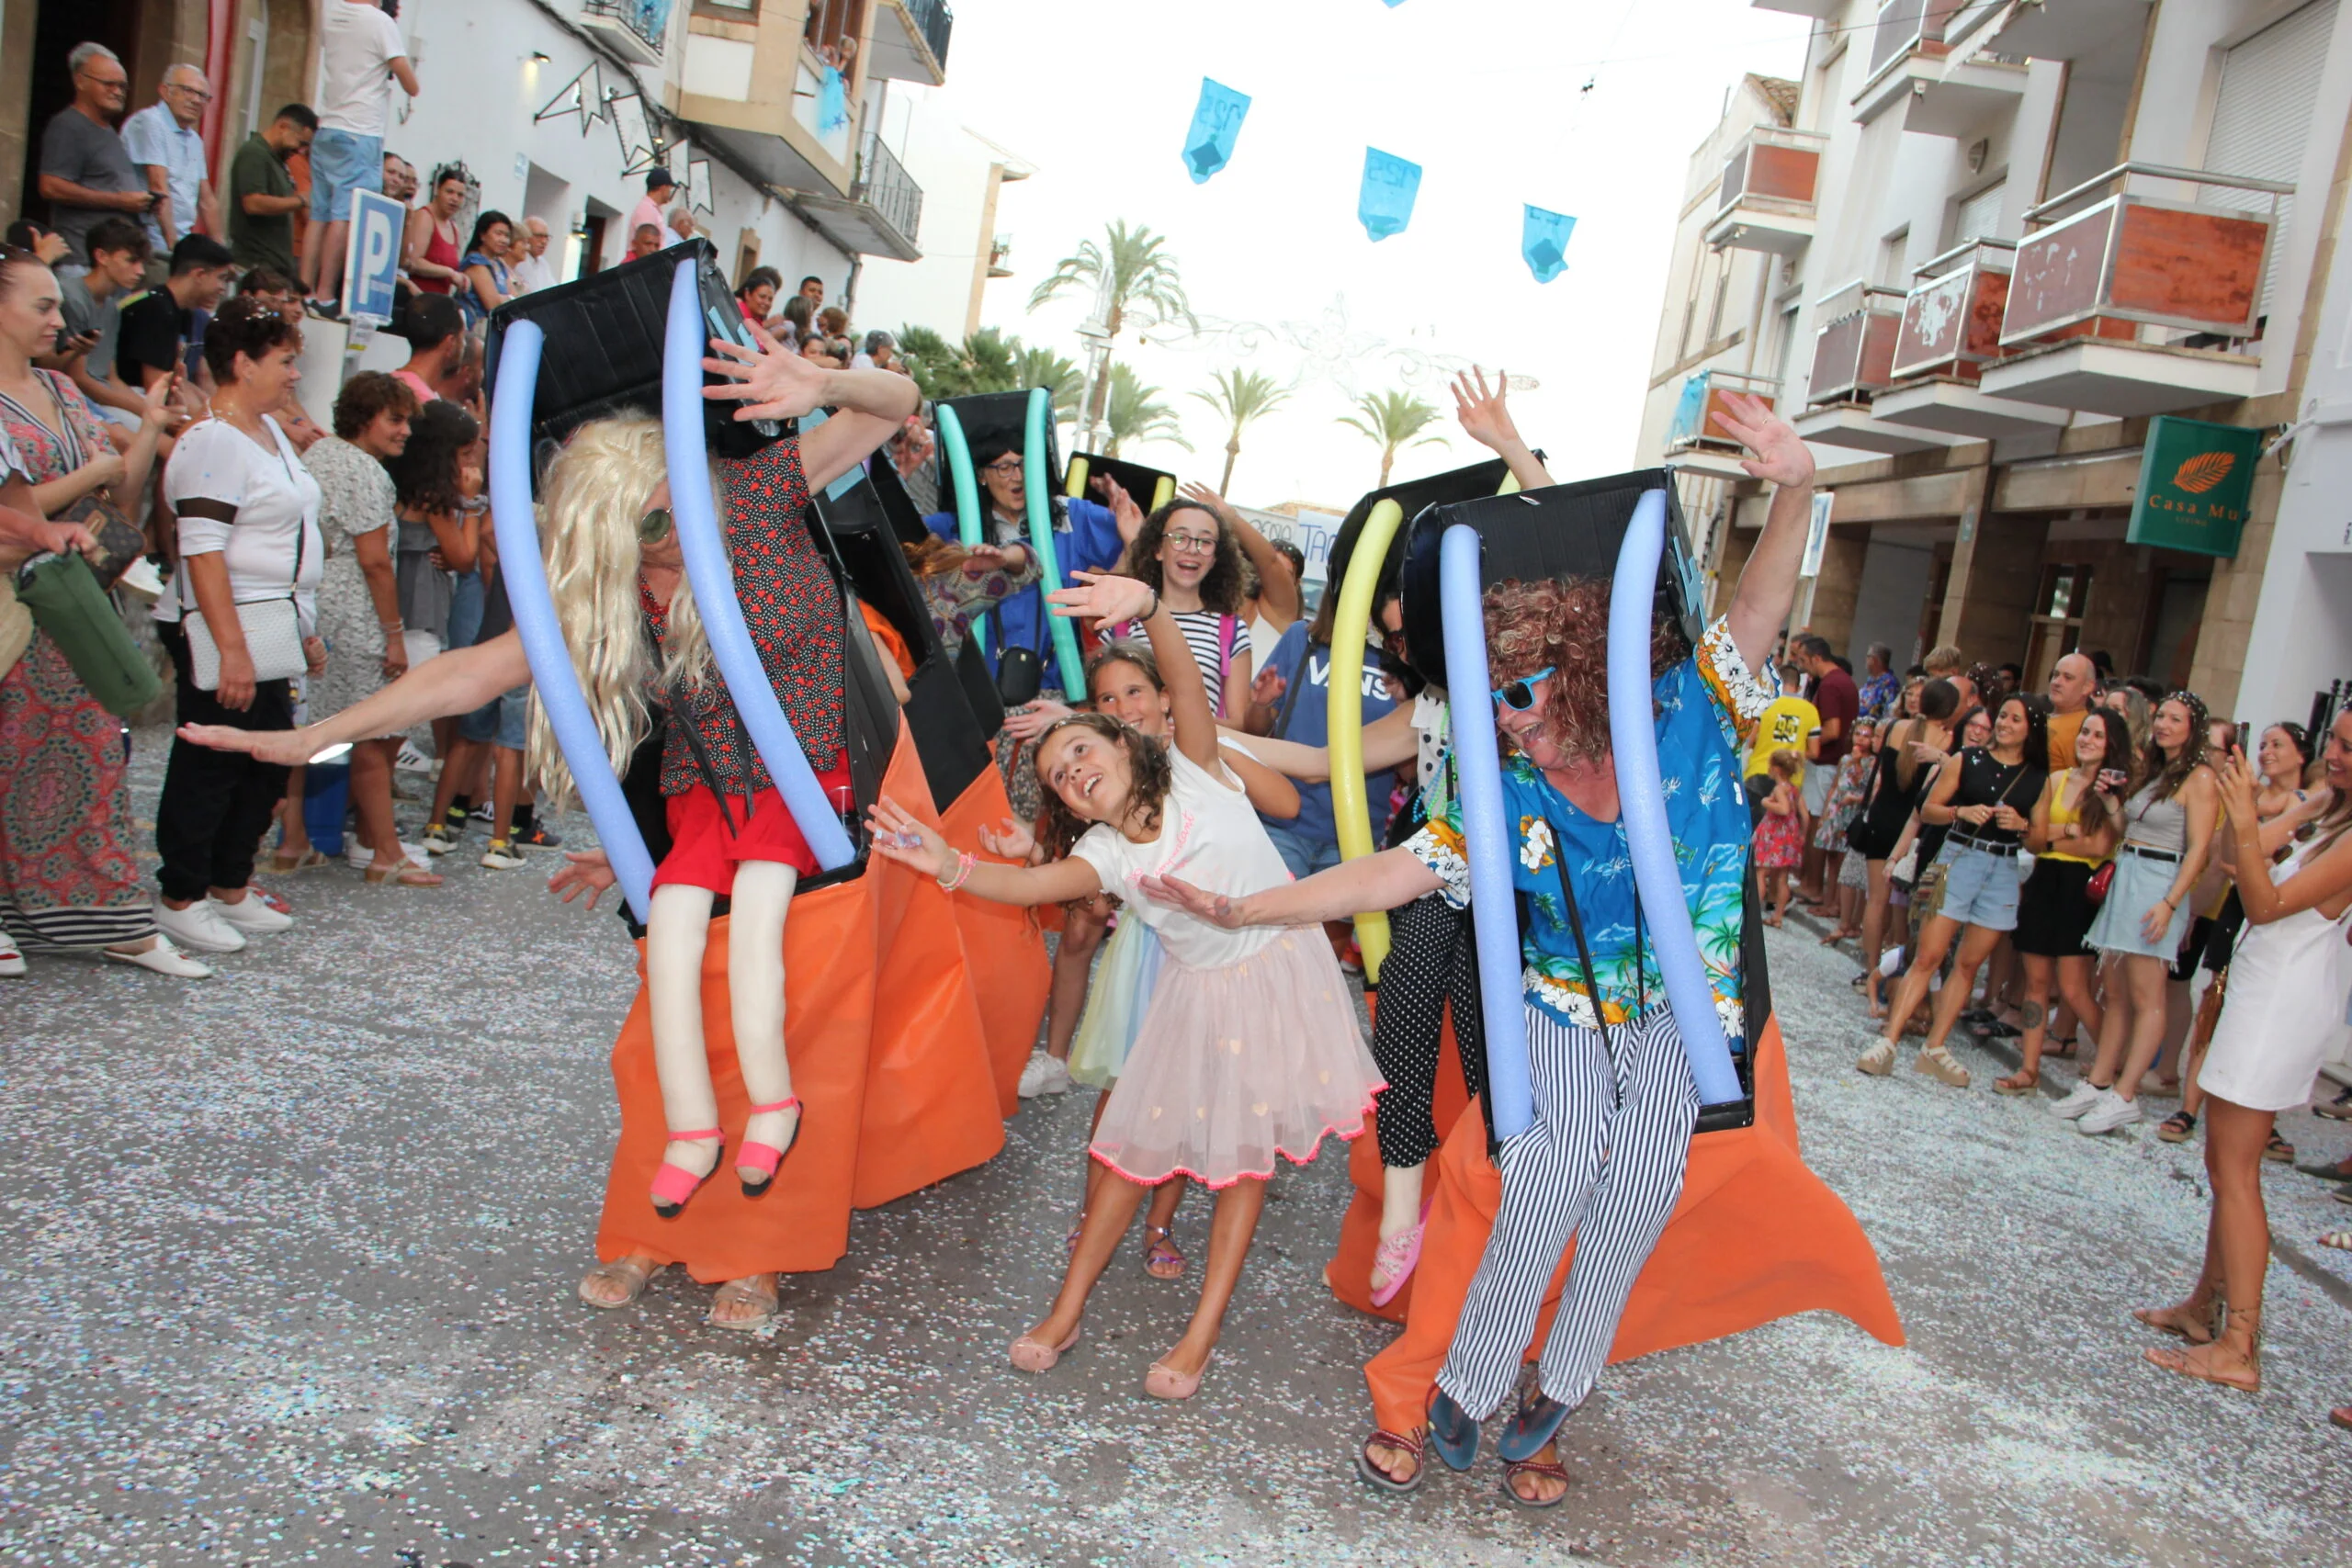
1769	184
1908	27
1853	352
936	22
1951	318
1694	425
2128	259
884	185
636	27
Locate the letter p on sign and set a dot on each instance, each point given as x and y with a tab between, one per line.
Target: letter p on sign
376	222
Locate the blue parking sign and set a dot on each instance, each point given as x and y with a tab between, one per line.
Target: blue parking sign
375	255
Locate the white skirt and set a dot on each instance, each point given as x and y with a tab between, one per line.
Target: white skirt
2283	1014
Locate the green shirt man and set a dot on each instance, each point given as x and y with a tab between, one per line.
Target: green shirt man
262	200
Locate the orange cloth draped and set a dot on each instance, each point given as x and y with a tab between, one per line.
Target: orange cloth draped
1757	1236
888	1060
1004	946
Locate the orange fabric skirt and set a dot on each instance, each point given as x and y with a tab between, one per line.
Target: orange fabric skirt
884	1034
1756	1236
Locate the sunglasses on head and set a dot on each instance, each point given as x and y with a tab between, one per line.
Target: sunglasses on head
1519	696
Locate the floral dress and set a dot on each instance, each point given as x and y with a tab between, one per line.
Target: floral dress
1780	840
68	878
358	498
1845	802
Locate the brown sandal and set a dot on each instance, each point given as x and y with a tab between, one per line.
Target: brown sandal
1547	1470
1379	1479
2198	1364
2197	1331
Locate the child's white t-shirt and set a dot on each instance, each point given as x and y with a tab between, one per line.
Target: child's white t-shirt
1210	837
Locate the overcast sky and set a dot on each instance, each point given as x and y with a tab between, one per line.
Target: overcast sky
1485	95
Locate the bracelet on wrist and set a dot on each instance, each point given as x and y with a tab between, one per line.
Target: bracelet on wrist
961	874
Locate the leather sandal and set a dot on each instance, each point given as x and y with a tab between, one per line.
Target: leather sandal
2197	1363
1548	1470
1379	1480
2177	1127
2195	1331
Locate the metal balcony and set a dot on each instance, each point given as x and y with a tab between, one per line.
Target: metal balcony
2141	301
1766	201
2068	29
1916	69
1853	361
1951	332
636	29
910	41
881	215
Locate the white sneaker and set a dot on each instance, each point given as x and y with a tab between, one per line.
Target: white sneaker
198	926
164	959
2112	1112
411	759
251	916
2081	1098
1044	1074
12	963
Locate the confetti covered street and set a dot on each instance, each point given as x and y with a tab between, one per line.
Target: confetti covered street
296	1249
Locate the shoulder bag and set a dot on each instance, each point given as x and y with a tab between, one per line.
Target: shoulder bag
271	624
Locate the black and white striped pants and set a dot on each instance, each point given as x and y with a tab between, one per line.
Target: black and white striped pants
1602	1163
1430	958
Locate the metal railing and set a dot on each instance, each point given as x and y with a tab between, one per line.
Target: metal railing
1770	156
2050	210
649	20
884	185
936	22
1904	25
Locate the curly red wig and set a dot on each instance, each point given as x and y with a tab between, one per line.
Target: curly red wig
1564	624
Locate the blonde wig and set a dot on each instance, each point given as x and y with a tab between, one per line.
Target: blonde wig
592	502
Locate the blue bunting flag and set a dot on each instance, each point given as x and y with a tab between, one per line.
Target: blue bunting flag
1385	204
1543	240
1217	123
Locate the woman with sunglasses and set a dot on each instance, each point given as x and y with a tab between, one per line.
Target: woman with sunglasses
1606	1058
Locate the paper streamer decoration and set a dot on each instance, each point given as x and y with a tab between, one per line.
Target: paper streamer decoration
1486	838
1343	713
1217	123
524	572
695	510
1641	795
1385	203
1543	240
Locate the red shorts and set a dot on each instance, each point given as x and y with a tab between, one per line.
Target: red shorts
704	853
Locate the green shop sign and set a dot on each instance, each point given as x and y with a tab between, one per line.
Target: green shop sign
2196	483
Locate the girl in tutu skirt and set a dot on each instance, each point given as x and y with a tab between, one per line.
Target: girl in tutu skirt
1250	1049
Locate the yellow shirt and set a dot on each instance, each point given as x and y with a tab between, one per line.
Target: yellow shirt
2059	816
1783	727
2064	727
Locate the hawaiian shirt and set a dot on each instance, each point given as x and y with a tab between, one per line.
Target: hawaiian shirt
1707	709
1878	694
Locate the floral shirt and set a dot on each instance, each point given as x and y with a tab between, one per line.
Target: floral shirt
957	599
1707	709
1878	694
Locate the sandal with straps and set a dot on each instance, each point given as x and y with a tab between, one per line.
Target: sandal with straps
1548	1470
1378	1479
2177	1127
2196	1330
742	1290
2278	1150
1161	1261
765	1158
2197	1363
632	1270
673	1184
1398	1255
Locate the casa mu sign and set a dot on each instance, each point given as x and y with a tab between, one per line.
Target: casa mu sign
2196	483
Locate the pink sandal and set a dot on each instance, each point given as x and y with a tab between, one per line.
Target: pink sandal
673	1184
764	1157
1397	1257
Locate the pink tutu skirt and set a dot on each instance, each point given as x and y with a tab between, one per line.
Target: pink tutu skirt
1237	1064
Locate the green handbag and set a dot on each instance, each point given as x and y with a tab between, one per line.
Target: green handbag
67	603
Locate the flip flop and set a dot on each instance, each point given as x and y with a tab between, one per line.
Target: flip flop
309	860
1398	1255
1453	1433
1534	1424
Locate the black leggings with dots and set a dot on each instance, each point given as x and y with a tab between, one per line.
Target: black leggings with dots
1431	958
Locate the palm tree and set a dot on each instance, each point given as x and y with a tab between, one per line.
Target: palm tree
1044	367
1241	397
1133	413
1133	277
1392	420
989	360
929	357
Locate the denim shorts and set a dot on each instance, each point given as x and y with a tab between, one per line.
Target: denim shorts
467	602
1305	856
1980	887
343	162
503	721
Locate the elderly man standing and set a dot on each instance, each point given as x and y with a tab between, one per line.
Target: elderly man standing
2074	681
1880	686
162	139
532	271
86	174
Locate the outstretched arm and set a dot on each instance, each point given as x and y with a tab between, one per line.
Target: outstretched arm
1117	599
1486	418
773	382
454	683
1389	741
1767	586
1383	881
912	842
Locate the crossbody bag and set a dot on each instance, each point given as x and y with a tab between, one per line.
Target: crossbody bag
272	624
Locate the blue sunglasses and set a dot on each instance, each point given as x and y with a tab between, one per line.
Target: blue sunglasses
1519	696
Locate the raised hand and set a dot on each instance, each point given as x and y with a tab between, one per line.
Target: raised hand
1009	840
1217	908
907	840
1028	721
588	872
1485	416
981	559
1124	509
1781	455
1100	597
773	382
1194	490
2237	786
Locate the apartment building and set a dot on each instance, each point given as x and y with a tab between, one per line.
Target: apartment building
2046	284
730	94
